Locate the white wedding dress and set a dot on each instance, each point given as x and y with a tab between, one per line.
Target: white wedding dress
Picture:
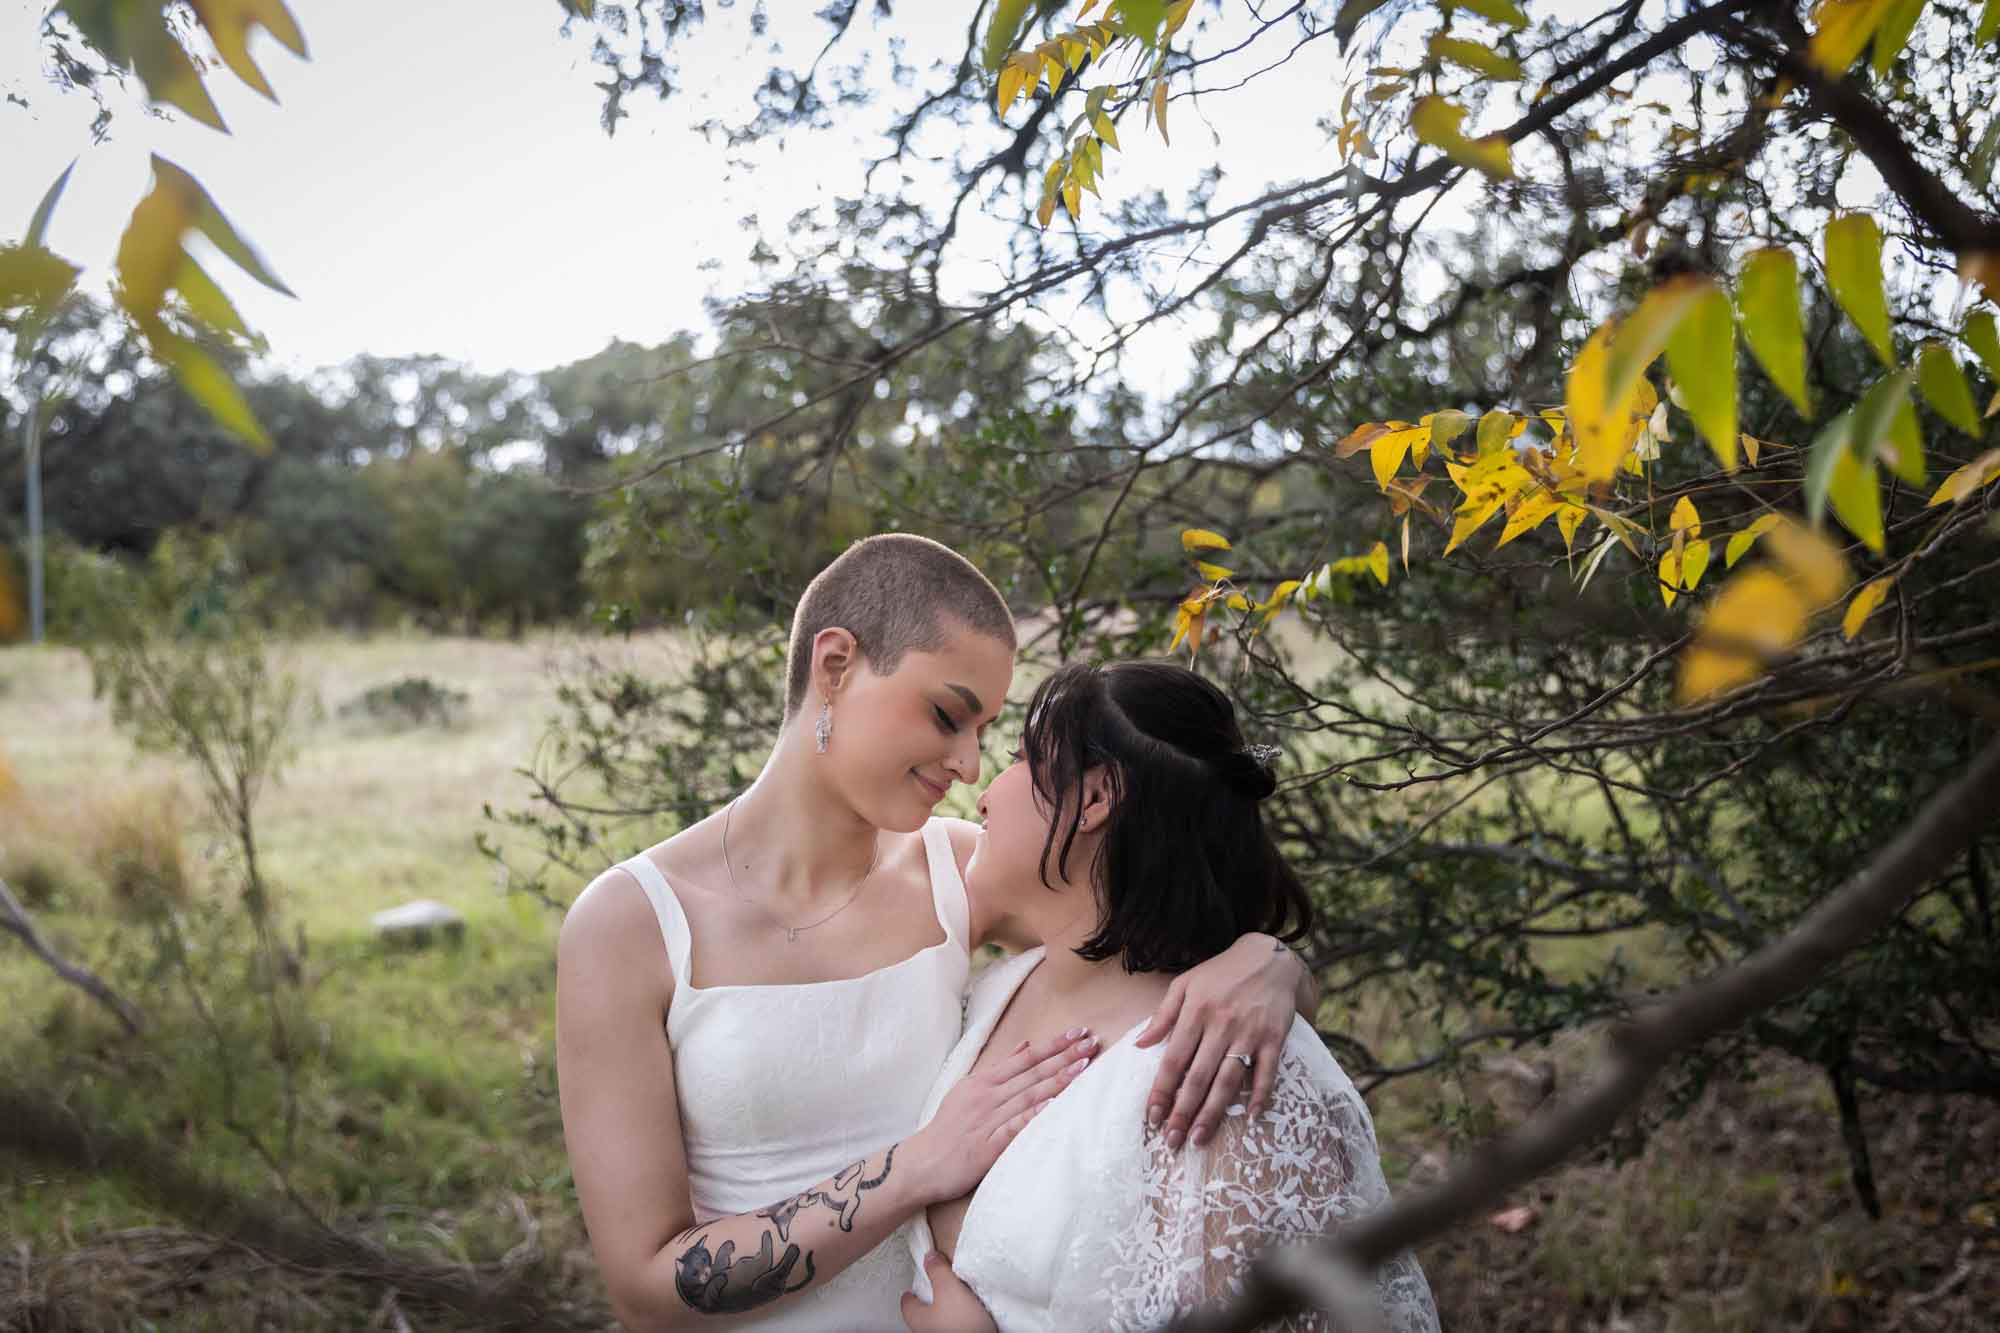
1088	1221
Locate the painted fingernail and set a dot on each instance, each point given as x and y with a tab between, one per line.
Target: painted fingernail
1088	1046
1174	1138
1077	1068
1154	1115
1076	1034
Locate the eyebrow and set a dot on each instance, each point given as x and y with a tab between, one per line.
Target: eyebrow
971	699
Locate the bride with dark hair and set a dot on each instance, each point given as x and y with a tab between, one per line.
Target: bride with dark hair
1127	840
750	1013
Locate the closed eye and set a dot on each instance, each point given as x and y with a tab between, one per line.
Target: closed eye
944	720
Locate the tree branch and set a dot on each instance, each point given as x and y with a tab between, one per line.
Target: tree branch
14	919
1948	824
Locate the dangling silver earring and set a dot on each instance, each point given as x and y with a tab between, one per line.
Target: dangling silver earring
823	726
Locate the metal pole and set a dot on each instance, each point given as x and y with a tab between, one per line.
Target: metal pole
34	434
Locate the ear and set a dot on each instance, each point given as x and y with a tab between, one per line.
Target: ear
1096	802
834	653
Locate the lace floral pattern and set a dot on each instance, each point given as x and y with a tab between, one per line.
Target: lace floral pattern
1304	1168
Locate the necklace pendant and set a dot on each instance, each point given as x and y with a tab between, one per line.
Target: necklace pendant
791	935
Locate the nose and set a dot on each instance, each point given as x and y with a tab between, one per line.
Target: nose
963	762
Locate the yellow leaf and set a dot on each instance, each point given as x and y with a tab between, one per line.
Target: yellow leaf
1864	604
1106	131
1857	498
1670	574
35	281
1406	543
1811	560
1529	514
1487	484
1046	210
1361	437
1177	15
1752	447
1841	28
1378	562
1213	573
1601	425
1012	79
1741	542
1072	196
1201	539
229	23
1757	616
1685	518
1436	122
1568	519
1694	563
1386	451
1854	271
1159	105
1236	601
1767	295
136	36
1967	480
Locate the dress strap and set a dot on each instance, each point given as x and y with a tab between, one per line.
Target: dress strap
947	888
673	921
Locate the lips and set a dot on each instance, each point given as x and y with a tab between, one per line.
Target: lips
937	791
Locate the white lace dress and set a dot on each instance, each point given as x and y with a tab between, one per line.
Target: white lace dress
1088	1221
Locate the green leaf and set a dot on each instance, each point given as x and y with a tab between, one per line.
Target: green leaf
1894	34
1944	388
1832	441
135	36
208	220
1885	425
1767	298
1475	57
1643	334
1436	122
1003	31
1841	28
38	226
1857	498
209	384
1854	271
1350	16
1981	337
1701	355
34	281
1989	22
228	23
1500	11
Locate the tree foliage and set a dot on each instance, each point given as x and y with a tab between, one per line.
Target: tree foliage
1654	607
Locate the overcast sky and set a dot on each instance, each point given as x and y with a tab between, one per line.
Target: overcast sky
435	179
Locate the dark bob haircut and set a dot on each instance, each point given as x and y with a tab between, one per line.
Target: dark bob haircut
1186	867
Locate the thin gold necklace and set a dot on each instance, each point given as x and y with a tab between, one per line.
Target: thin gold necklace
792	933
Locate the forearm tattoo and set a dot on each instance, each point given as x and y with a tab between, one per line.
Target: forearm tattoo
724	1281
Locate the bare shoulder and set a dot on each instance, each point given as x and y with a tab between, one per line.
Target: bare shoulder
964	837
610	931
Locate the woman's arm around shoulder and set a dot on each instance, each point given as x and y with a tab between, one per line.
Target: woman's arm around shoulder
622	1124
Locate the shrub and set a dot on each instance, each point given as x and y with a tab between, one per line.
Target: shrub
413	701
138	853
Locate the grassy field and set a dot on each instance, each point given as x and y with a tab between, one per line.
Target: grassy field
427	1117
